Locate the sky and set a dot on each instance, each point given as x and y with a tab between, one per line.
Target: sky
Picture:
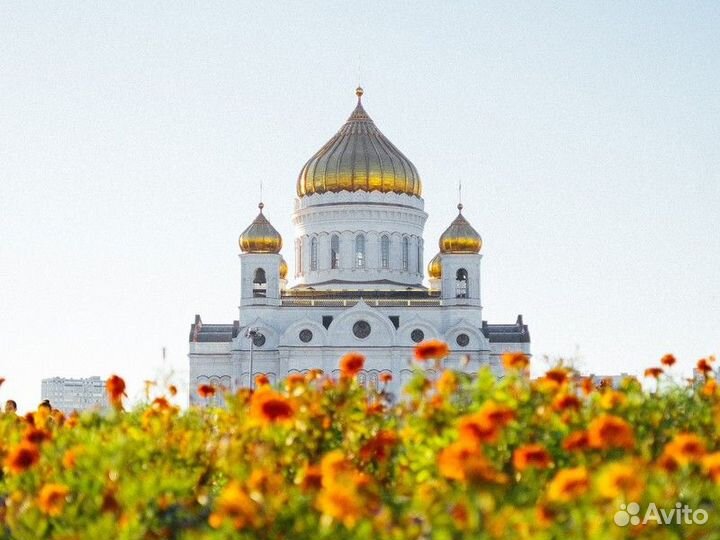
134	137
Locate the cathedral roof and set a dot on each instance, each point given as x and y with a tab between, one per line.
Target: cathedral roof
260	236
359	158
460	237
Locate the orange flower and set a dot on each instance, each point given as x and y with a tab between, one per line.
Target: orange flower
261	379
611	399
545	516
711	466
467	463
351	364
704	367
334	465
668	463
531	456
668	360
236	505
22	457
34	435
69	459
51	499
173	390
294	380
620	479
206	391
341	502
685	448
484	425
385	377
515	360
115	387
311	478
432	349
563	402
379	447
654	372
587	385
461	515
576	441
608	431
568	484
447	382
710	388
557	375
269	406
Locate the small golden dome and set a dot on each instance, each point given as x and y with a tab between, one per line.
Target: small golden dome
359	158
460	237
283	268
260	236
435	267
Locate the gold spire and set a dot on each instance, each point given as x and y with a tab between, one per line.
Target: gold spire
460	237
260	236
359	158
283	268
435	267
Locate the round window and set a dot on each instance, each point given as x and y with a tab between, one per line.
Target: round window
305	335
417	335
259	340
361	329
463	340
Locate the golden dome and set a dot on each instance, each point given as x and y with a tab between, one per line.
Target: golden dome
359	158
260	236
435	267
460	237
283	268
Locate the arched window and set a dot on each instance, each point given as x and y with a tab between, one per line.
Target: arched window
313	254
334	251
406	252
419	257
259	283
385	251
360	251
461	283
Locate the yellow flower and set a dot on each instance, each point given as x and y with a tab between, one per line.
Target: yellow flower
51	499
621	479
447	383
342	503
685	448
568	484
711	465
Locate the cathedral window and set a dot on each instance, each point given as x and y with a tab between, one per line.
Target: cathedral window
313	254
334	251
360	251
461	283
259	283
385	251
405	253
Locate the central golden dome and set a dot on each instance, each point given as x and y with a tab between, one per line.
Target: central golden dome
359	158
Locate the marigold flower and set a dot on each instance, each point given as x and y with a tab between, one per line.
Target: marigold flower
685	448
22	457
668	360
447	382
668	463
564	402
69	459
620	479
351	364
341	502
294	380
51	499
608	431
711	466
654	372
710	388
172	389
531	456
461	515
333	465
234	504
587	385
385	377
610	399
576	441
161	404
432	349
568	484
261	380
311	478
515	360
36	436
206	391
558	375
545	516
484	425
269	406
380	446
467	463
704	367
115	387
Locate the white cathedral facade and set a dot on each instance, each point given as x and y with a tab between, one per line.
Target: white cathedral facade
358	278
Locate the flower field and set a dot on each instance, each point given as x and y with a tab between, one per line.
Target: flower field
319	458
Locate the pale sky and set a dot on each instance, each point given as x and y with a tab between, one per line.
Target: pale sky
134	136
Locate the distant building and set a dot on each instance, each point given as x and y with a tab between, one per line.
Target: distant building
75	394
613	381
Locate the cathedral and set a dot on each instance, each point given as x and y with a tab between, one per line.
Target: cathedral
358	281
